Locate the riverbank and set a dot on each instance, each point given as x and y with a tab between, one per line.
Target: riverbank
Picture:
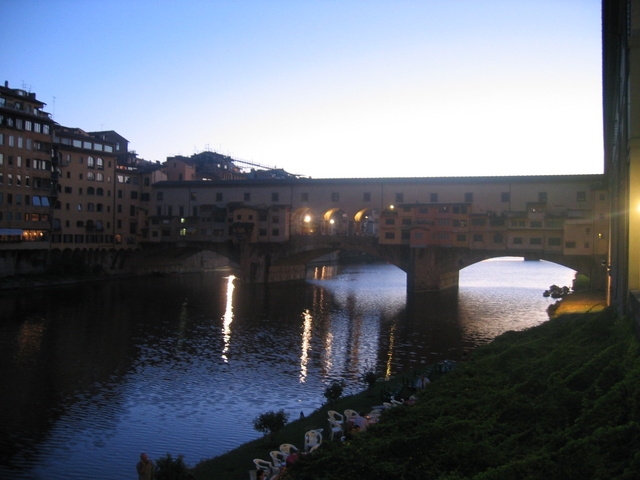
525	406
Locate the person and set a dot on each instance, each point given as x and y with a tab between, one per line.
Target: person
145	468
360	422
292	457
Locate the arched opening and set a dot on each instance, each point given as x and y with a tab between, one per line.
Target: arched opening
366	222
335	222
303	222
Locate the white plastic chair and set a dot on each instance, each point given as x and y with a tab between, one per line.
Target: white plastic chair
335	428
350	415
288	448
311	439
263	465
278	458
335	417
396	402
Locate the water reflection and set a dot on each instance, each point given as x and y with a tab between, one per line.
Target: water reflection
306	339
228	318
93	374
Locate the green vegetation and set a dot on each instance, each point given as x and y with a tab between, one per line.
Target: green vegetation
558	401
271	422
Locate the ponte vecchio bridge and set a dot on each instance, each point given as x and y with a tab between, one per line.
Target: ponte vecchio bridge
429	227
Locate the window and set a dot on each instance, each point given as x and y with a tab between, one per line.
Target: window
275	197
91	162
478	237
366	197
218	196
517	240
498	238
461	238
478	222
335	197
581	196
468	197
399	197
554	242
535	241
389	235
570	244
389	221
536	224
247	196
304	197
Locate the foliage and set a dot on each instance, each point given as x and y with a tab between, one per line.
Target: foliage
559	401
370	378
271	422
333	392
168	468
581	283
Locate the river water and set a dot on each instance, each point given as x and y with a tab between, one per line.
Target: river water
94	374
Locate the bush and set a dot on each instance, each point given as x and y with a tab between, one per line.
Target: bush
168	468
333	392
271	422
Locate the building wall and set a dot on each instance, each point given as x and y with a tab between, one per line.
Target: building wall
26	188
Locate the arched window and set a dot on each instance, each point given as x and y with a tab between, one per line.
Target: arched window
100	192
91	162
100	163
91	176
91	191
99	207
91	207
100	177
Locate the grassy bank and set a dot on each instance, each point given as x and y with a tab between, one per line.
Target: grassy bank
235	464
559	401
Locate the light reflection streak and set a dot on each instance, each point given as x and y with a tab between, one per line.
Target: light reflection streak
228	318
306	344
392	341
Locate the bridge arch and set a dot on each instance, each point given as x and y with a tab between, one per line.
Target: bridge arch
366	222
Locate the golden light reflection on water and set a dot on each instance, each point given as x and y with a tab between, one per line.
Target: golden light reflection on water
392	342
29	342
306	344
228	318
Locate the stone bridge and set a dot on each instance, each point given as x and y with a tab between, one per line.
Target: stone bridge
428	268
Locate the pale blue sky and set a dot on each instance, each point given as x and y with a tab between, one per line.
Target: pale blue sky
333	88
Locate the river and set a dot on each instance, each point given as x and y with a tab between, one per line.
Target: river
93	374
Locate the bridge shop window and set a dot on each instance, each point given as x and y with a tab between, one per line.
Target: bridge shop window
304	197
542	197
366	197
399	197
218	196
247	196
535	241
468	197
275	197
554	242
498	238
433	197
478	237
389	235
581	196
461	238
517	240
335	197
389	221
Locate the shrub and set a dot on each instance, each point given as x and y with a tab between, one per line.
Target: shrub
271	422
333	392
168	468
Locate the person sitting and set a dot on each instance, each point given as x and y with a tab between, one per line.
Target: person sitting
361	422
291	458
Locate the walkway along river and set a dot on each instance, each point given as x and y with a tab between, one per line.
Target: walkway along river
94	374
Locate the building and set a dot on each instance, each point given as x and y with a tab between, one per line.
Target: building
621	94
27	171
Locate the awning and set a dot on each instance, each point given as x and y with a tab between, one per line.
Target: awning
10	231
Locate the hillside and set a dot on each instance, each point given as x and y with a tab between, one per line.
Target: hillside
559	401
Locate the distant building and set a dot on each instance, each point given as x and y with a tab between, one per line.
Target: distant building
28	173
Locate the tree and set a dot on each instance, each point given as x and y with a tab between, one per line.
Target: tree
333	392
271	422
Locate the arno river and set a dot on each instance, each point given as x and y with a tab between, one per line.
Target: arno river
94	374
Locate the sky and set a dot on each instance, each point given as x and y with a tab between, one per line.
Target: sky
324	88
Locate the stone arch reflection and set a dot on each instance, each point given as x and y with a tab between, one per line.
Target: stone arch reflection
227	318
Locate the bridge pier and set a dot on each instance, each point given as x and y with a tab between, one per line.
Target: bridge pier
429	270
